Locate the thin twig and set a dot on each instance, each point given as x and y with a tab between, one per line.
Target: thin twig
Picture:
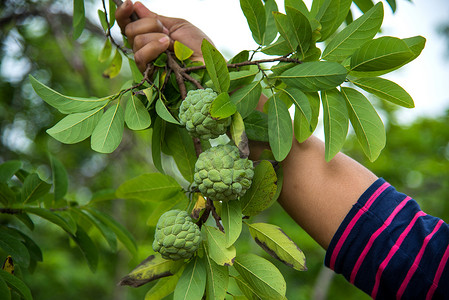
108	32
215	215
178	75
248	63
148	71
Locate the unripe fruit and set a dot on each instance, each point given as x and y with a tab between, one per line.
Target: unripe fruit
176	236
194	115
221	174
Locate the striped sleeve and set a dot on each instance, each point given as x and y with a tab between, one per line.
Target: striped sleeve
390	249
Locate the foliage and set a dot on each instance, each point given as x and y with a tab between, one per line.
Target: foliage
24	194
297	75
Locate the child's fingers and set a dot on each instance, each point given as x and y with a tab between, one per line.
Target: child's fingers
123	14
142	26
152	45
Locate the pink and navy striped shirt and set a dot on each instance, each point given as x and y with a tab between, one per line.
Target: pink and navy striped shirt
390	249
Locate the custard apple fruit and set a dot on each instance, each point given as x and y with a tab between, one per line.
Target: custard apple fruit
176	236
221	174
194	115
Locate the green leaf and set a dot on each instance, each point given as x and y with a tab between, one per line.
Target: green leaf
153	187
164	113
234	289
264	278
105	51
238	134
115	66
25	219
66	104
50	216
247	98
181	146
79	19
364	5
12	245
222	107
76	127
243	77
416	45
392	4
192	283
301	29
7	195
216	242
280	129
254	12
33	249
331	14
108	133
102	18
302	128
88	248
261	194
157	138
256	126
295	28
164	286
276	243
182	52
354	35
231	217
385	89
270	26
300	100
216	66
123	235
177	201
381	54
240	57
16	284
217	278
112	9
299	5
137	76
136	115
4	289
152	268
105	231
336	122
67	216
286	30
366	122
280	47
8	169
314	76
60	178
34	188
243	286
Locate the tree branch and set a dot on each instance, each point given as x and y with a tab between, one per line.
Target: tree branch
248	63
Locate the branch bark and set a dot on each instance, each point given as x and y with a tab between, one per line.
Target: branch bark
248	63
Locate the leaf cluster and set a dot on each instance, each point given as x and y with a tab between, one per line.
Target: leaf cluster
27	199
297	76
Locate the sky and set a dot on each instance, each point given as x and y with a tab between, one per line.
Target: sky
425	79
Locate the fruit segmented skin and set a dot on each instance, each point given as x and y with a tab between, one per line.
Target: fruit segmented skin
221	174
194	115
176	236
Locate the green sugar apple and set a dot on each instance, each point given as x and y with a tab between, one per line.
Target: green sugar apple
221	174
176	236
194	115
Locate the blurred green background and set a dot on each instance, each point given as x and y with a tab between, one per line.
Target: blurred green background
35	39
